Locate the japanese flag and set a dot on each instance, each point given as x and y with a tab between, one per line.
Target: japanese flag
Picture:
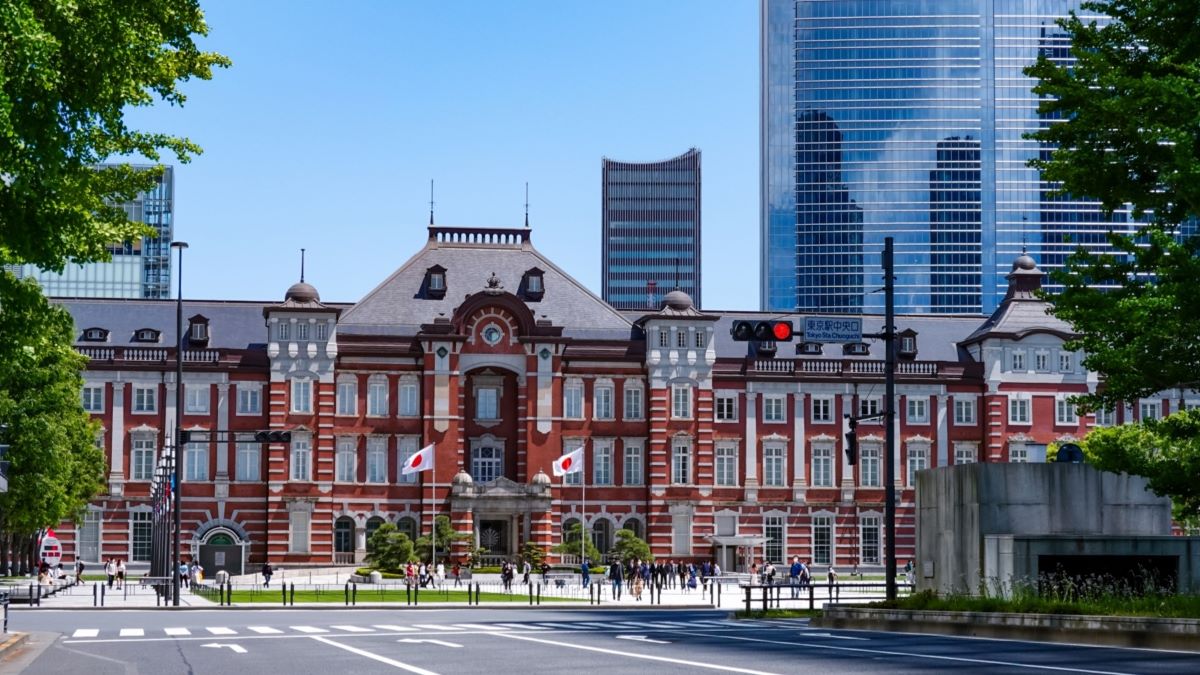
420	461
569	463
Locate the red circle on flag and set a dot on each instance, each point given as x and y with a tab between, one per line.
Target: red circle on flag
416	460
566	463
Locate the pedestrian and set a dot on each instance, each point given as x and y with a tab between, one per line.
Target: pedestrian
457	572
545	572
805	576
526	569
120	574
183	573
267	573
754	576
909	572
682	569
585	572
79	571
691	579
794	576
110	571
440	574
637	588
615	578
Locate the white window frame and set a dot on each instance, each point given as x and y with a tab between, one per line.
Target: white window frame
869	460
1017	361
916	409
247	460
870	406
495	461
141	456
603	405
300	458
681	401
377	456
634	399
964	411
1152	406
918	459
487	403
377	396
681	462
664	340
1105	417
701	340
249	398
302	395
406	446
822	410
195	398
573	399
347	396
1066	362
1018	453
302	331
322	331
345	460
869	551
966	453
1041	361
195	461
602	462
775	409
92	398
408	396
145	399
726	408
823	474
725	473
823	553
633	466
681	339
774	465
1065	413
285	331
299	531
1020	409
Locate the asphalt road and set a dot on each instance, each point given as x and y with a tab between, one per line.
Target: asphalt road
336	641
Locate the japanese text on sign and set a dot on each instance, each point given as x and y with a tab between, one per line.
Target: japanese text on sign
832	329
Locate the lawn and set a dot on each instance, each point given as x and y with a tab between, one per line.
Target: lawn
1155	605
777	614
379	594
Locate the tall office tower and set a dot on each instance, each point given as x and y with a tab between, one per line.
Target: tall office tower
882	118
138	269
651	241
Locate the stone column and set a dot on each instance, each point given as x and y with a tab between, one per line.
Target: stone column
223	444
116	475
750	456
847	481
463	521
943	433
799	449
360	544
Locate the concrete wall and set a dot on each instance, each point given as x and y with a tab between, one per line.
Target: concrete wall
959	506
1016	558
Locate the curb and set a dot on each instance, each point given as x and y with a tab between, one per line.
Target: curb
378	606
12	641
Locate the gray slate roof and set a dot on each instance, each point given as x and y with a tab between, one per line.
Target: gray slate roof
232	324
395	307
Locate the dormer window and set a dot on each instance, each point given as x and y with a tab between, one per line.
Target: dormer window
435	282
95	335
809	348
856	349
198	329
908	343
533	284
145	335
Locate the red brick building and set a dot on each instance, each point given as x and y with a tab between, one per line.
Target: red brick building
479	345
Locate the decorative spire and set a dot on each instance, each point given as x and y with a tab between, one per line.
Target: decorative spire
676	272
431	202
301	265
526	204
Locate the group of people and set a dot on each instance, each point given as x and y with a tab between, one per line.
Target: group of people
191	574
423	575
637	575
48	574
508	573
114	570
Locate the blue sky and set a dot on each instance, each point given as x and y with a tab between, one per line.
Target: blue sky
327	129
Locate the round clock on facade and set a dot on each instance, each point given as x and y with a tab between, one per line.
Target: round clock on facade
492	335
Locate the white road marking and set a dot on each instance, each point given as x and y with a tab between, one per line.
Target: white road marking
394	629
264	630
567	626
434	626
830	635
309	629
431	641
642	638
632	655
86	633
523	626
177	631
594	624
935	657
382	659
480	626
354	629
236	649
132	632
221	630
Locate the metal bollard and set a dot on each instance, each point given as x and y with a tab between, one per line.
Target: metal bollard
719	594
747	599
408	594
417	594
347	595
102	592
283	593
354	594
539	594
531	594
96	595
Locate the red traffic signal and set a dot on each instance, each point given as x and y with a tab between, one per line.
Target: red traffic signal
761	331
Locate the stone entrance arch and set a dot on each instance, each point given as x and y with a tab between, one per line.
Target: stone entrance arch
221	545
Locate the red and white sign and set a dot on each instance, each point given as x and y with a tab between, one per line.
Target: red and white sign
51	551
569	463
421	460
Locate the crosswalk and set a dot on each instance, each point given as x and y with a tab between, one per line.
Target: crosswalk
448	628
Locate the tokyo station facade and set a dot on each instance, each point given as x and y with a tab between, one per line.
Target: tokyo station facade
479	345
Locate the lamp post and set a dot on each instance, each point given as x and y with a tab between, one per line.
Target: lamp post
179	246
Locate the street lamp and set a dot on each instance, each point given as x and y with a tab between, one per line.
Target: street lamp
179	246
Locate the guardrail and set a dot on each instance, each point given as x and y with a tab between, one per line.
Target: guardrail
796	596
393	591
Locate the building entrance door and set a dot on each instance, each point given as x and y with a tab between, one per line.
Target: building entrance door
494	535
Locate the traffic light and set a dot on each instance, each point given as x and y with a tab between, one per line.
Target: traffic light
852	443
762	331
273	436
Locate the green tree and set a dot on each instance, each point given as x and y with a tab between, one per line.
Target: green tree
446	536
1166	452
1129	102
570	545
534	553
55	467
631	547
69	71
389	549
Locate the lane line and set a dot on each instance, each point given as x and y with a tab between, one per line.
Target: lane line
354	629
309	629
523	626
376	657
934	657
86	633
434	626
394	629
264	630
480	626
633	655
221	630
132	632
177	631
565	626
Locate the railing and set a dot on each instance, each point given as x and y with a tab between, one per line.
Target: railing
807	596
775	366
343	558
148	354
841	367
479	235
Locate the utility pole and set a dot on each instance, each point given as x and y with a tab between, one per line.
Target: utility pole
889	336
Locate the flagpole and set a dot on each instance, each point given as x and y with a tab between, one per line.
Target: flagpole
433	508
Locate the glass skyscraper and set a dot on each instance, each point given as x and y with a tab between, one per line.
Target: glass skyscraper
905	118
138	269
651	241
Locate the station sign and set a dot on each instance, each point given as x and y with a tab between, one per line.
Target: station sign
832	329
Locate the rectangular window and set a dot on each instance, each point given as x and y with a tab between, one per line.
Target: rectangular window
662	338
681	464
346	460
301	396
1106	417
571	445
347	397
249	400
1066	362
681	534
302	331
487	403
774	466
774	408
602	464
1041	361
964	412
195	398
633	464
301	459
681	339
727	456
195	461
700	341
822	409
142	523
573	400
869	407
1018	410
145	398
298	531
918	410
322	331
1064	412
93	398
633	402
773	532
822	467
602	402
681	401
965	453
727	406
822	540
1018	452
1018	360
918	460
249	462
868	542
406	446
142	458
409	399
377	395
1149	409
487	464
285	332
868	466
376	459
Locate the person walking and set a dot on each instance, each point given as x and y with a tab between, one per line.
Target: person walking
440	574
615	575
585	572
120	574
526	570
110	571
79	572
267	573
457	572
794	576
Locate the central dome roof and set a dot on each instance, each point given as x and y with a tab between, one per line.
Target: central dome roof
678	300
302	292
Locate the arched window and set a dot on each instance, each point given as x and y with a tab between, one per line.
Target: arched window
343	535
633	525
487	464
568	526
373	524
602	535
407	526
